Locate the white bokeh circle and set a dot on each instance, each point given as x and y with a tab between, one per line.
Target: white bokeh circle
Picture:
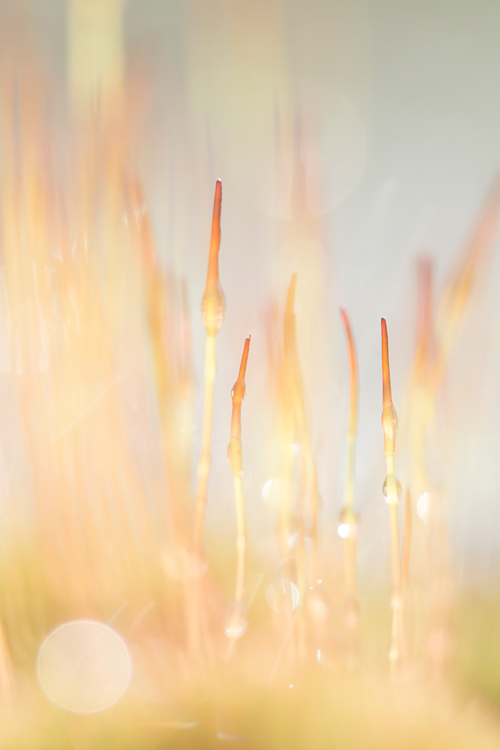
83	666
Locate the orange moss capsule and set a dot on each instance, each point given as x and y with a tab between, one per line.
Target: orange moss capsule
238	394
213	304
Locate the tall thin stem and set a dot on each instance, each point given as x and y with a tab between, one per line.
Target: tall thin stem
213	307
349	522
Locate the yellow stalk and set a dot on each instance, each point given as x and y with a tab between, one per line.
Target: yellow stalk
213	308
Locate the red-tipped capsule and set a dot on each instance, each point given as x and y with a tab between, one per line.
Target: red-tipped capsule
238	394
213	305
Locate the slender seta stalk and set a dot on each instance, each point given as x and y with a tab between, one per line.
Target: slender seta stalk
308	498
213	307
235	457
392	490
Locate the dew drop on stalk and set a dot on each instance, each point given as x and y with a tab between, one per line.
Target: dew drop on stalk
347	524
385	491
343	530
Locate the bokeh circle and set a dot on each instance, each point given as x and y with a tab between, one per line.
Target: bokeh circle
83	666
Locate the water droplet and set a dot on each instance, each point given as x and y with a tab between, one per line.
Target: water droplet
236	620
348	523
399	491
282	596
238	391
343	530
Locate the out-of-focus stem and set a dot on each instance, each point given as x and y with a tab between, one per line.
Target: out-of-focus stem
298	422
298	427
167	387
353	413
390	426
348	517
458	292
308	503
289	418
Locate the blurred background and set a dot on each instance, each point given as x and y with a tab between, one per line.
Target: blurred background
351	138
